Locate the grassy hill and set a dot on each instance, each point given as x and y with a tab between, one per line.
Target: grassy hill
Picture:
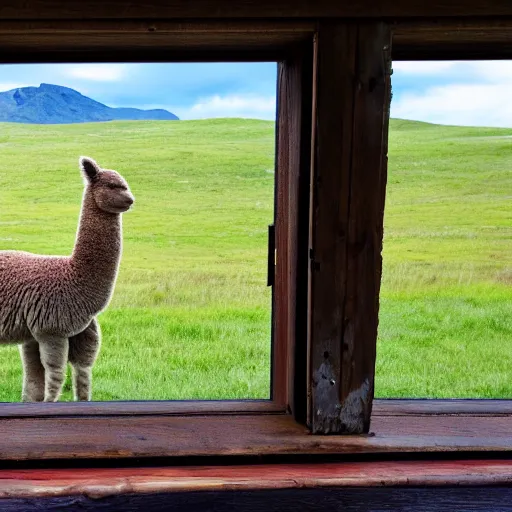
190	316
446	309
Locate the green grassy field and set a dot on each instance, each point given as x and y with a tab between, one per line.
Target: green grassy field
190	317
446	307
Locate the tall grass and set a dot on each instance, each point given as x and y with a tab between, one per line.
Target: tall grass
446	309
190	316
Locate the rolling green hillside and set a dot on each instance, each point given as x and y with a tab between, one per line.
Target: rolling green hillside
190	317
446	308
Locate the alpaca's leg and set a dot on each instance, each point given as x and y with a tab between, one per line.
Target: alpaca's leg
33	373
83	350
54	356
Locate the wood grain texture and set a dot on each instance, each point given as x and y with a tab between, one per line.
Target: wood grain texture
140	408
368	176
334	93
452	39
52	39
447	407
99	483
160	436
156	40
294	100
349	178
300	213
192	408
176	9
417	499
121	25
283	292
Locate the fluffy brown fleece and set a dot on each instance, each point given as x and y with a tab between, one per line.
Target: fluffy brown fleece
48	304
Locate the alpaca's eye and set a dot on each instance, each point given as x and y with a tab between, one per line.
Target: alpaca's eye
112	185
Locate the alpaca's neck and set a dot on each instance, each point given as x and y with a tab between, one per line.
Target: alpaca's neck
97	251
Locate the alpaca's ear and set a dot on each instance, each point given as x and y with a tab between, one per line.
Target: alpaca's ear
89	168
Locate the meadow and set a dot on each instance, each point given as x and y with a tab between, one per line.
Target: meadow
446	303
190	317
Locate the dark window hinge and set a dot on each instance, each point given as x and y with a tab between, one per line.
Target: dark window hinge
272	256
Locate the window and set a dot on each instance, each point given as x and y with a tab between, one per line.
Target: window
444	329
190	316
261	43
332	102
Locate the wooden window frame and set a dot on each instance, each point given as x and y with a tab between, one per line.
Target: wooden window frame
290	45
333	110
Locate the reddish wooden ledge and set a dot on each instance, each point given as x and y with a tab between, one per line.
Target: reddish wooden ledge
97	483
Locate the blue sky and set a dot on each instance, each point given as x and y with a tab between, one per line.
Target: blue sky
191	91
476	93
465	93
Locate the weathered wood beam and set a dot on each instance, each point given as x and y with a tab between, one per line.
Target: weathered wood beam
452	39
126	40
352	94
294	86
186	9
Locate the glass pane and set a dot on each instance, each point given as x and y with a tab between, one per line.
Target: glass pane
190	316
446	308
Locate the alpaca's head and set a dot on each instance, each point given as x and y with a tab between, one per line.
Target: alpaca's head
109	188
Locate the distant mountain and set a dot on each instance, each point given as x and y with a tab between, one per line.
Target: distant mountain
54	104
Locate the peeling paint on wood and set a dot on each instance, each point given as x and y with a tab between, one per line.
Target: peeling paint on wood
332	416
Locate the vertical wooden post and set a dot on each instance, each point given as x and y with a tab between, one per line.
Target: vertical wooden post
292	226
352	95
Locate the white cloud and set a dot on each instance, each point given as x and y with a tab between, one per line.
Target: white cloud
491	71
97	72
468	93
458	104
424	67
246	106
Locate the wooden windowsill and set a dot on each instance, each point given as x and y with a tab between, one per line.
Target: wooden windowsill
397	427
443	407
386	407
100	483
140	408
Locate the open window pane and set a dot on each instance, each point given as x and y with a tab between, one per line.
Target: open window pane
190	317
446	302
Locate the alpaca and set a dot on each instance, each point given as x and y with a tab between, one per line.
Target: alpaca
49	304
